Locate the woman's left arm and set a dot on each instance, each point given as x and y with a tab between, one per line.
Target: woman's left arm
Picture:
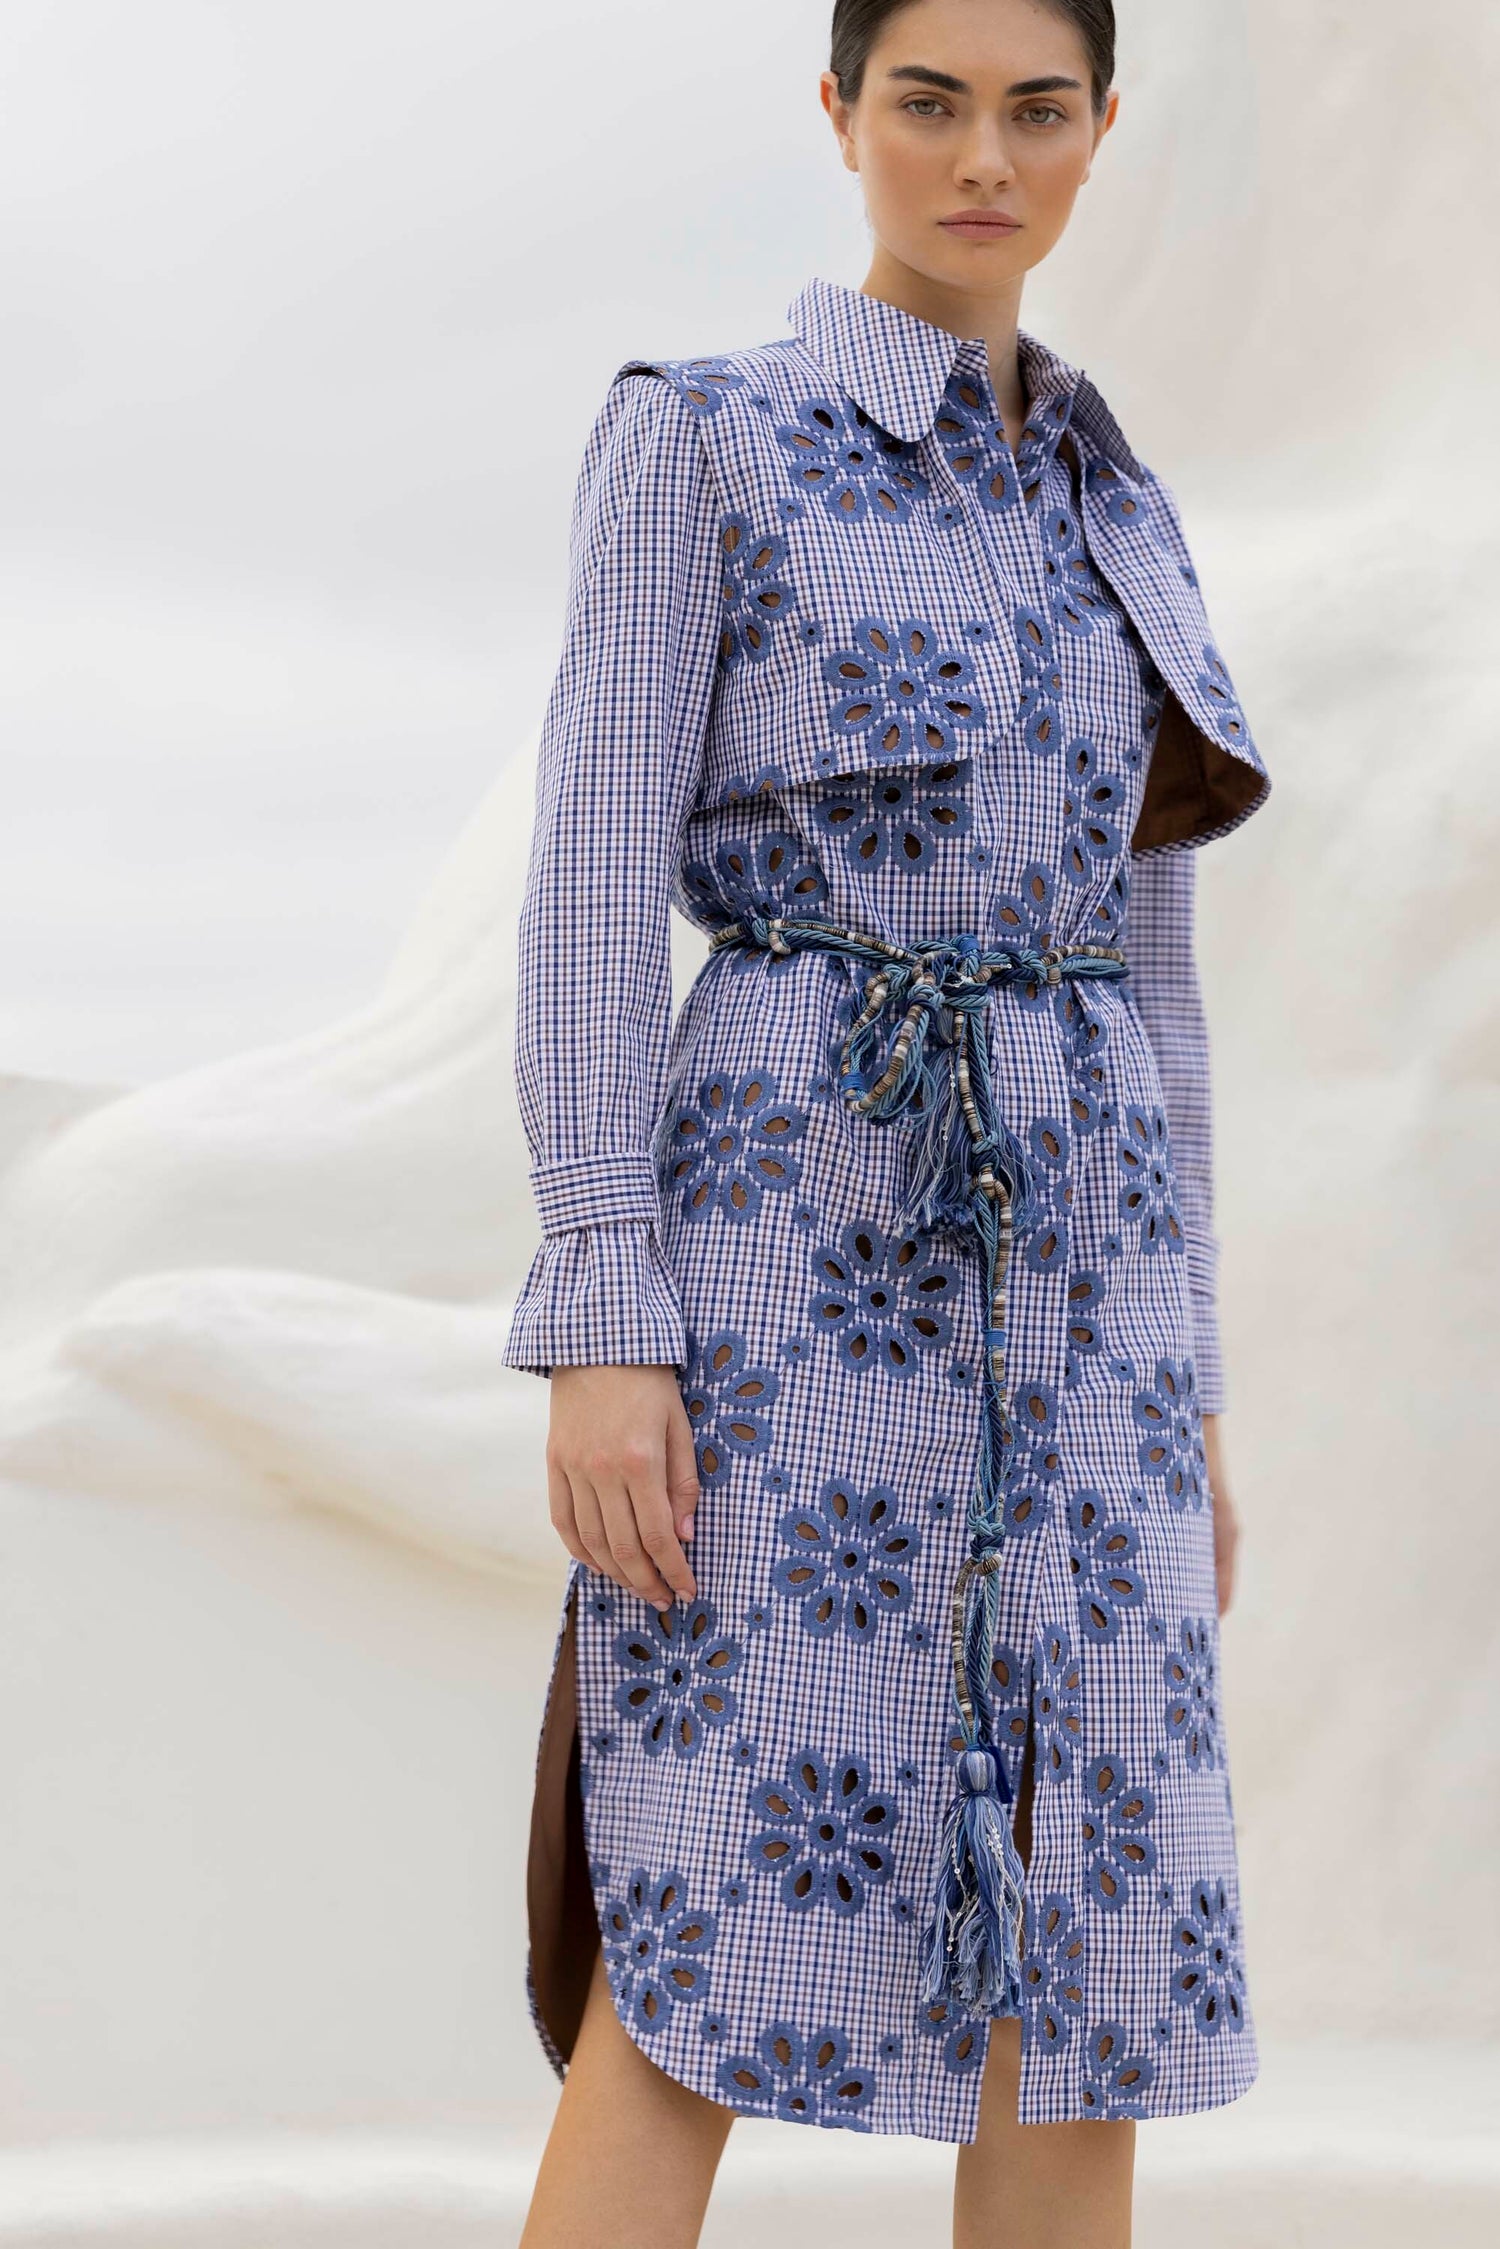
1164	978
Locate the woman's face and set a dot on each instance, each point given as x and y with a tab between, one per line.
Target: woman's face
971	106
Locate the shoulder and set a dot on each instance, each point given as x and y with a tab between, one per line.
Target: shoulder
711	383
644	441
674	422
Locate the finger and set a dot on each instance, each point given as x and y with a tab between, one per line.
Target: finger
591	1530
653	1519
627	1547
682	1472
560	1508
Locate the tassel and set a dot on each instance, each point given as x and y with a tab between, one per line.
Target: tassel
939	1191
970	1950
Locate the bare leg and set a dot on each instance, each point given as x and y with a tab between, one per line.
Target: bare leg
1039	2186
631	2157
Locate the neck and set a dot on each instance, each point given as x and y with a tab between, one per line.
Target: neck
993	315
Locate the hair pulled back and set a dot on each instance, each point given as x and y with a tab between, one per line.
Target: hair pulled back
857	25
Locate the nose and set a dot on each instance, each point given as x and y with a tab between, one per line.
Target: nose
985	160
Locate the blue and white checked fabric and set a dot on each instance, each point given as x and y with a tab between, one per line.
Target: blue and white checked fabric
833	648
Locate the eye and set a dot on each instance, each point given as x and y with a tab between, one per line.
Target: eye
925	105
1044	113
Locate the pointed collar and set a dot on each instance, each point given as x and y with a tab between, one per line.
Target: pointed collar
897	366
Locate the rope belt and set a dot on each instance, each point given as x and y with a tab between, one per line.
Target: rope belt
931	1073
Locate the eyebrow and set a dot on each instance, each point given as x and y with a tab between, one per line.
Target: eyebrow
941	78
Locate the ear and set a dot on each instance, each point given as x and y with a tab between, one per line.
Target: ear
840	116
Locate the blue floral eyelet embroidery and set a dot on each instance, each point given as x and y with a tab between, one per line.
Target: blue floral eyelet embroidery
1009	1711
1059	1702
800	2079
1086	1297
677	1667
1092	804
1118	1849
733	1147
1025	918
884	1302
1041	683
655	1948
755	594
1148	1200
728	1404
976	447
902	693
1117	494
1103	1557
1117	2078
962	2036
856	469
898	818
773	875
826	1836
1053	1969
1217	689
1208	1977
701	383
1192	1712
1078	599
1033	1462
848	1561
1171	1452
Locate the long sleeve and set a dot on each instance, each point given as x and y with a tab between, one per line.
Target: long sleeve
618	769
1164	977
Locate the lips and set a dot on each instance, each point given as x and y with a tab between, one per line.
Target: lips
980	222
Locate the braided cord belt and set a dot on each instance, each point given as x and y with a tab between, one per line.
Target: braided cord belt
931	1073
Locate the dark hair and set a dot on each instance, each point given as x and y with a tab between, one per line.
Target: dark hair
856	26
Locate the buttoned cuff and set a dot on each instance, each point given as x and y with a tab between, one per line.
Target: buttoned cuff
598	1296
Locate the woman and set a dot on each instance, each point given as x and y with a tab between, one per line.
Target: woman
877	1292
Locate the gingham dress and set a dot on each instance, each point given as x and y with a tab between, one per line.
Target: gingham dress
833	647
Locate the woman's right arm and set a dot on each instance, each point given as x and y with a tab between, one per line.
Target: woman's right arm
618	771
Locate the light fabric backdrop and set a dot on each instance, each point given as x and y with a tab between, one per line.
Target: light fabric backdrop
308	310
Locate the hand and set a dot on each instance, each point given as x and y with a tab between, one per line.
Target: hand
1226	1517
622	1476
